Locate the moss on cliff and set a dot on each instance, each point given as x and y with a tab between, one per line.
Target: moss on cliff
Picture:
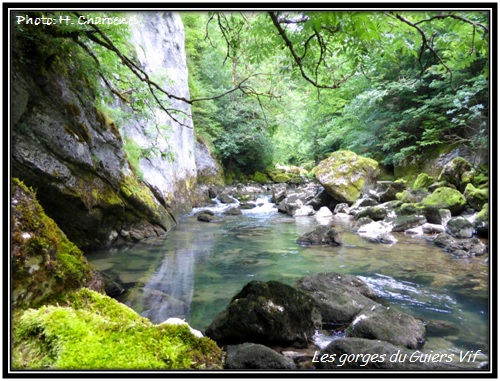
93	331
44	262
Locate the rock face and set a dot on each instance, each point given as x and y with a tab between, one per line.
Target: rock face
344	174
74	154
45	264
266	313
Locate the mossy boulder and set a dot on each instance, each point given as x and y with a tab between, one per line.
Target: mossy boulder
476	197
260	178
94	332
446	198
458	172
268	313
279	177
344	174
45	264
482	224
423	182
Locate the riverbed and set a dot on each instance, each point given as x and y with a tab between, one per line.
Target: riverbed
195	270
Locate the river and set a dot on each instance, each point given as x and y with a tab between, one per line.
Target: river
195	270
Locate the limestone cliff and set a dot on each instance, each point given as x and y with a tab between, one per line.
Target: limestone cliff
73	153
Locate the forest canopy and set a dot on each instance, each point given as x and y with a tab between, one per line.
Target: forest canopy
291	87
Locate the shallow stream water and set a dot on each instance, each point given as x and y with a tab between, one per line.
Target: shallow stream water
198	267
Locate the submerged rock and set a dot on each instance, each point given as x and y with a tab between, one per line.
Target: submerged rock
269	313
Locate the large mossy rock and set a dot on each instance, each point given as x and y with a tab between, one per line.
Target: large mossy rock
388	324
269	313
476	197
344	174
339	297
423	181
446	198
458	172
94	332
45	264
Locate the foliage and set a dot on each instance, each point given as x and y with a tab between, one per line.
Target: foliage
93	331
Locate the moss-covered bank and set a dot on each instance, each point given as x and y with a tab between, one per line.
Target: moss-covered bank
92	331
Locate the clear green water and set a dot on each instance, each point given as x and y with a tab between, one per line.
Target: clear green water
194	272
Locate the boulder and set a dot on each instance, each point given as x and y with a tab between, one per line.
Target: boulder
423	182
324	212
388	324
344	174
233	212
481	222
269	313
446	198
322	235
402	223
341	208
459	227
376	213
279	193
338	297
432	228
476	197
226	199
205	217
255	356
458	172
387	190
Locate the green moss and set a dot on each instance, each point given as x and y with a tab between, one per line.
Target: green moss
483	215
260	178
80	130
446	198
280	177
476	197
423	181
107	123
44	262
93	331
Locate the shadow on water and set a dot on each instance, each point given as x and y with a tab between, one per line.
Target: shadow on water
199	267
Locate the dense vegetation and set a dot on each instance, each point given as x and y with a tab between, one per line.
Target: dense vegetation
286	87
387	85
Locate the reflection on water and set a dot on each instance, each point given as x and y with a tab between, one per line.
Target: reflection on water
195	271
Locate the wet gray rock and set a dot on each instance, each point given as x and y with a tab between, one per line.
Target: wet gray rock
269	313
459	227
322	235
376	213
402	223
233	212
338	297
206	217
255	356
388	324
